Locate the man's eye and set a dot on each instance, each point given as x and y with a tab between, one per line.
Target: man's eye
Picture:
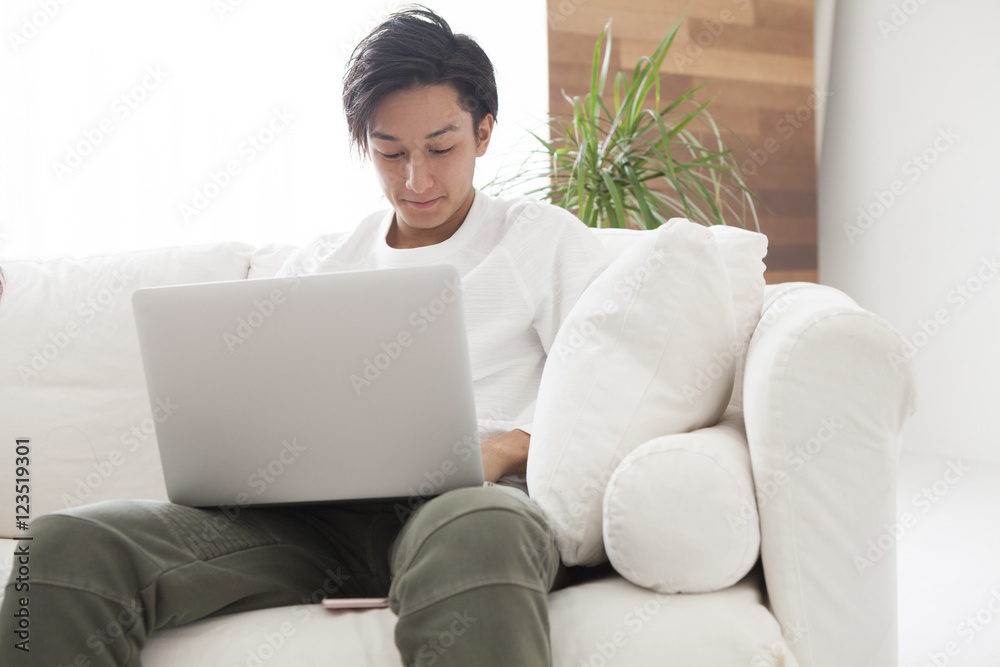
442	151
390	156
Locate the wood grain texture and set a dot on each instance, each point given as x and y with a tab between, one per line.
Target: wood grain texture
773	277
756	59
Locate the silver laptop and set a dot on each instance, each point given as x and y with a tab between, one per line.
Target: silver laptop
332	387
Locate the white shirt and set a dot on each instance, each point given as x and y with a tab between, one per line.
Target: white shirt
523	264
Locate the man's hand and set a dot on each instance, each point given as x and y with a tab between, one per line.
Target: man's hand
505	454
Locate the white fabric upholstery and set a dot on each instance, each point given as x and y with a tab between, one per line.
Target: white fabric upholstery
640	628
679	511
266	260
623	369
823	420
826	496
743	252
71	378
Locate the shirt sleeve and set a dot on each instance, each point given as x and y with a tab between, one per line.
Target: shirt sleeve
575	259
563	257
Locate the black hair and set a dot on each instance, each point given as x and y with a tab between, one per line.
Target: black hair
415	47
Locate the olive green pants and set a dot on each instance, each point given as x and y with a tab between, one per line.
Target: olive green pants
103	577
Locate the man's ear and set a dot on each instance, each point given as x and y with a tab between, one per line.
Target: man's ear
484	134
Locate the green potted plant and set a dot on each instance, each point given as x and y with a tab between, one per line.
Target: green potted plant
634	166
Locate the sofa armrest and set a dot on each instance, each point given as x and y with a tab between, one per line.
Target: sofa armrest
827	391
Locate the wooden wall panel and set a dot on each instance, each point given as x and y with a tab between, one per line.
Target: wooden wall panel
756	57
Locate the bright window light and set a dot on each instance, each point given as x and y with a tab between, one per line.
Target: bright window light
128	125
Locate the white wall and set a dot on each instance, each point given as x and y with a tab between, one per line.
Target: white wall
916	93
222	68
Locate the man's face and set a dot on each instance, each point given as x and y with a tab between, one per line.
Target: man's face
424	150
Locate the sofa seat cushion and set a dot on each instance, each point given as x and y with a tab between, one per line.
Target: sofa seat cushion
608	617
606	621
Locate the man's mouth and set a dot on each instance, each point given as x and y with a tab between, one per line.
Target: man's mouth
423	204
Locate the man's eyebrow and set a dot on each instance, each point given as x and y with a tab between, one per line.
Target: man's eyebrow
443	130
388	137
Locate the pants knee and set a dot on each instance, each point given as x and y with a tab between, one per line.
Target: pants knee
474	537
496	517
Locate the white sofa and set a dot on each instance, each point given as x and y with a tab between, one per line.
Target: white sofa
826	390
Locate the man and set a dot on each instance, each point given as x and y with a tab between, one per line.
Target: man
421	104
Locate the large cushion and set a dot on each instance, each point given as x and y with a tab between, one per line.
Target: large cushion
623	370
603	622
71	379
743	252
680	514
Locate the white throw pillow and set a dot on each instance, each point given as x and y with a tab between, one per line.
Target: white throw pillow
71	378
680	514
645	329
743	252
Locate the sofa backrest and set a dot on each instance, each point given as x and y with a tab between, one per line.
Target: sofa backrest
71	379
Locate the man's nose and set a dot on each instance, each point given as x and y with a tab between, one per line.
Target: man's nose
418	176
